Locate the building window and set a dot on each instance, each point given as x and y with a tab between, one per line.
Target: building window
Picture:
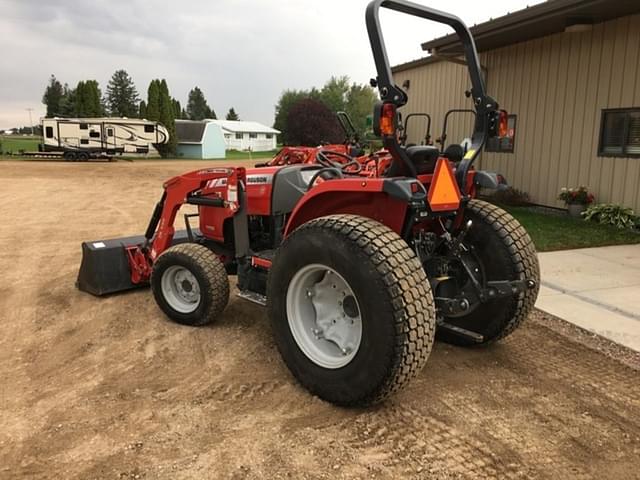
94	134
238	136
84	126
49	132
253	135
269	136
620	133
504	144
149	128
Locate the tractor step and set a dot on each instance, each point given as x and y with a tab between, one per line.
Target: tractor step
462	332
105	266
253	297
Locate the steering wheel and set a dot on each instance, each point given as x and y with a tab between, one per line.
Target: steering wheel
325	173
322	157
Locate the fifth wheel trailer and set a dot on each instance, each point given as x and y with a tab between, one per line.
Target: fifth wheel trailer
82	138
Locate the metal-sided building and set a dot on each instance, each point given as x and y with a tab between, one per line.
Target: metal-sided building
568	73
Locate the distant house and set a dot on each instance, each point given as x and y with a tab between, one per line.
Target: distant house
200	139
9	132
241	135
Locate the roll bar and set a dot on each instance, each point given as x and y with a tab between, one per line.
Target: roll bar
443	137
485	106
427	136
347	125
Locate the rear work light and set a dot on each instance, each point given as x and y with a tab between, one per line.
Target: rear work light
388	120
503	124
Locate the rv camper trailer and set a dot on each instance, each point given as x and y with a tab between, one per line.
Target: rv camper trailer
83	138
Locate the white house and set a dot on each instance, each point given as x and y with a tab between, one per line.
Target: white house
241	135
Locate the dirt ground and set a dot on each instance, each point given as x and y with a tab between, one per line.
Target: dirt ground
109	388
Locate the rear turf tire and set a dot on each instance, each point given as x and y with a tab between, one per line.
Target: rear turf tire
506	252
394	301
201	269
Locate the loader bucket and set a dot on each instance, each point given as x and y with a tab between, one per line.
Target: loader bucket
105	266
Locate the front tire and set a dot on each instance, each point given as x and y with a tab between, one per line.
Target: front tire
190	284
351	309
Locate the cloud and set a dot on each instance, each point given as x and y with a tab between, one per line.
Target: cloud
241	53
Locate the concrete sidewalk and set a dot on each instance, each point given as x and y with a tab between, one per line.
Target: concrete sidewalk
597	289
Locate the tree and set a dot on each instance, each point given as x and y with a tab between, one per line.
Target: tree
153	101
334	93
197	107
160	108
52	97
122	96
232	115
177	109
142	109
68	103
359	104
87	101
310	122
287	99
167	118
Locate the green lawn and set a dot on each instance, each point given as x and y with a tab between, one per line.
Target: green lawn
15	143
239	155
558	231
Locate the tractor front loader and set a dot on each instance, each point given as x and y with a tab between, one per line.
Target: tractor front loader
357	264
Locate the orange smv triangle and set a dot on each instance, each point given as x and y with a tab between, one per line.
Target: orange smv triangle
443	192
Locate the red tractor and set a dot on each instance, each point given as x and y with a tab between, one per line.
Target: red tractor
357	270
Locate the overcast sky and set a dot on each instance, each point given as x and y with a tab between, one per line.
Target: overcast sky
241	53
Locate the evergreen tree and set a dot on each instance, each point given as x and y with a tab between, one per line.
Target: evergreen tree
167	118
197	107
142	109
93	99
177	109
52	97
68	103
153	101
122	96
232	115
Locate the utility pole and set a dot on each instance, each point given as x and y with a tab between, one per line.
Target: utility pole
30	121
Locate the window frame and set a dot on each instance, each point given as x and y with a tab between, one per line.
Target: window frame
48	131
625	133
253	136
239	136
149	128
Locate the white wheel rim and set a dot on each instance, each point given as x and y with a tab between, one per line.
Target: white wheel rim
324	316
180	289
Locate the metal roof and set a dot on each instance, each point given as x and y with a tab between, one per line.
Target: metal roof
190	131
552	16
240	126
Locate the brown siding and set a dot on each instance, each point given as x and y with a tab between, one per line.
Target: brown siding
558	86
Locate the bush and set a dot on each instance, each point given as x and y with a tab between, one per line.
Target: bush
311	123
612	214
512	197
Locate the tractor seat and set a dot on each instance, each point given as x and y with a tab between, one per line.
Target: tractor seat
454	152
424	158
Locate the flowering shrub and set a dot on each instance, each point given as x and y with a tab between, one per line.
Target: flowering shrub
572	196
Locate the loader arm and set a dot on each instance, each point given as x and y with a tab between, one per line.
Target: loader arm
213	187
